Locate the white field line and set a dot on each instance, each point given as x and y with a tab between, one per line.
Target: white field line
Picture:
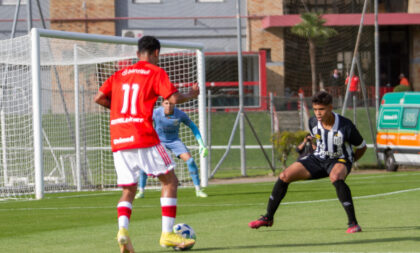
211	205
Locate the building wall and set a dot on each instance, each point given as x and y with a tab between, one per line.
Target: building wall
272	39
414	7
174	20
76	9
415	58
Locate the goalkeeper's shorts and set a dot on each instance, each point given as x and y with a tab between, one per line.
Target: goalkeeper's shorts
154	161
175	146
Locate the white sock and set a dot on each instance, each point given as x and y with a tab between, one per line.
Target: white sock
197	187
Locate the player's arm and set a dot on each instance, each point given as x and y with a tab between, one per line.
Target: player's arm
197	135
357	141
359	152
102	99
196	132
179	98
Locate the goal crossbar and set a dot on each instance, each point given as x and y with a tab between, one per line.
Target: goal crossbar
37	34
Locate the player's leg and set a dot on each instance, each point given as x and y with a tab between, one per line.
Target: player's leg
193	170
142	185
338	175
294	172
168	202
163	167
127	175
124	213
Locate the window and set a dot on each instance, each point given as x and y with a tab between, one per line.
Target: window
12	2
146	1
267	54
410	117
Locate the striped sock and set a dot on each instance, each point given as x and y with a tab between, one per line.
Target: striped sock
168	213
124	213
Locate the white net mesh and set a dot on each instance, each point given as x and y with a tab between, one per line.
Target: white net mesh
95	63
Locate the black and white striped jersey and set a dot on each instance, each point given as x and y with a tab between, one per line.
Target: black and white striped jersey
336	143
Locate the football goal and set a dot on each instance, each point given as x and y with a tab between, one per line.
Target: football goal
53	136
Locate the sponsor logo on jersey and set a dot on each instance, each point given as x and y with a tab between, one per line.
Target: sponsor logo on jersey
123	140
338	140
126	120
135	71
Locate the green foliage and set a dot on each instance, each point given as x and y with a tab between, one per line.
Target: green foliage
285	141
312	28
401	88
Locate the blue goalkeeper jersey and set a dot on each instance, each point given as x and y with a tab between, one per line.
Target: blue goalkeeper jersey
167	126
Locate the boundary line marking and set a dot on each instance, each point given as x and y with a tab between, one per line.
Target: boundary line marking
207	205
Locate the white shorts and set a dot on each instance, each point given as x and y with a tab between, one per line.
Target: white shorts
154	161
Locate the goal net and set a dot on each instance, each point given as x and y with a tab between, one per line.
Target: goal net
53	136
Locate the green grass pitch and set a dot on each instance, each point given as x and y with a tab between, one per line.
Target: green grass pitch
310	219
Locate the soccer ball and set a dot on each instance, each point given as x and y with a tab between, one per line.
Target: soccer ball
185	231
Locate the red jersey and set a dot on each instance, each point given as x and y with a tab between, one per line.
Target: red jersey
404	81
133	92
354	84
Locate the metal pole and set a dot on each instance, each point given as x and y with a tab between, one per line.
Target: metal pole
12	35
202	113
272	111
376	60
2	114
209	128
40	14
36	113
302	126
356	48
4	145
232	134
29	8
77	120
354	108
259	143
363	88
241	90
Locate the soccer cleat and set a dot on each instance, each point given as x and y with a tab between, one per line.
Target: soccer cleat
124	241
170	239
200	194
263	221
354	228
139	195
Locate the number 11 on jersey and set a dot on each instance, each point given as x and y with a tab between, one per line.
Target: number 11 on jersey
135	92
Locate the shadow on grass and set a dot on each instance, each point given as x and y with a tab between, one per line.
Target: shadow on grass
290	245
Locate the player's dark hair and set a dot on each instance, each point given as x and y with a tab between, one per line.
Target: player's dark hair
148	44
322	98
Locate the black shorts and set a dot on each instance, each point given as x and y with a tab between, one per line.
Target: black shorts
321	168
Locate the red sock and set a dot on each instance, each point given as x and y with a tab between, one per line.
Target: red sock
124	214
168	213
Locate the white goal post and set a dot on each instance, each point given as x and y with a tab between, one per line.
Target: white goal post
66	146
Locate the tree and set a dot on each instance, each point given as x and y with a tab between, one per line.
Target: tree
312	28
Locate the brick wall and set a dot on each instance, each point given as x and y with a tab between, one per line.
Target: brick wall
74	9
413	6
273	39
415	58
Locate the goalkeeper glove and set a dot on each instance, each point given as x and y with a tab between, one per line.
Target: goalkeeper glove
203	151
